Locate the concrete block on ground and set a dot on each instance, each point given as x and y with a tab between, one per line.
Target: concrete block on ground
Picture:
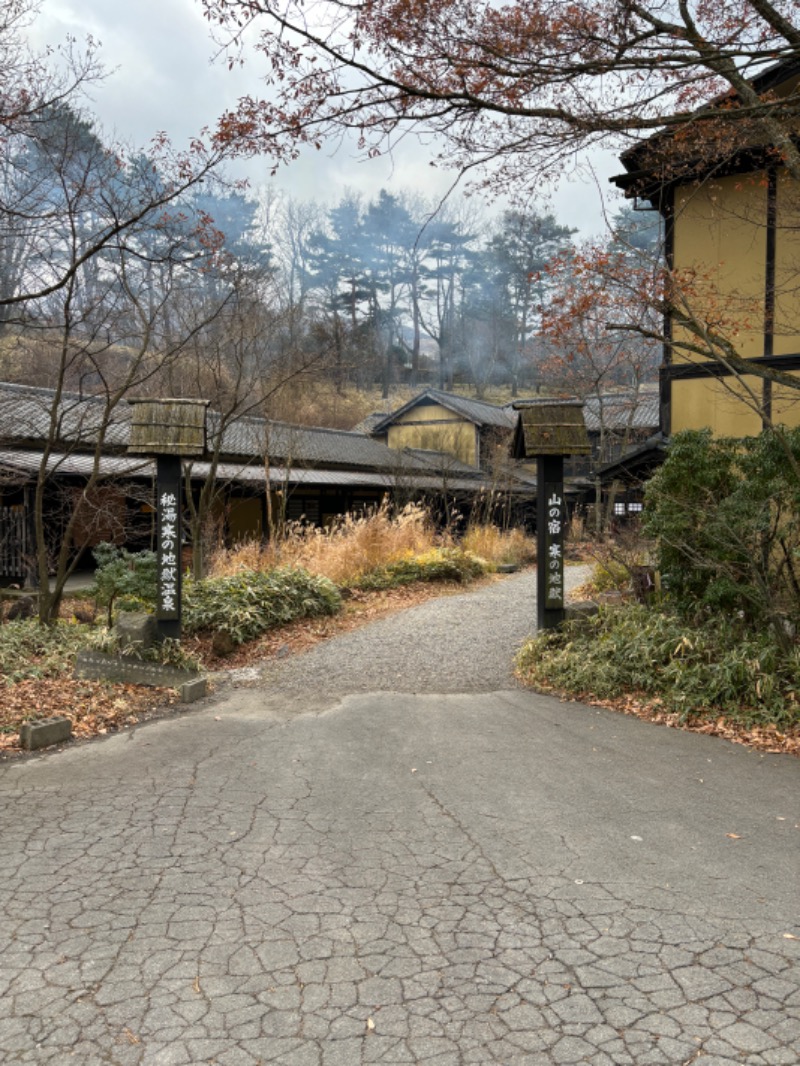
42	732
193	690
96	666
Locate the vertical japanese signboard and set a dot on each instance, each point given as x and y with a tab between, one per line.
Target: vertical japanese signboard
168	489
548	431
554	546
551	519
170	430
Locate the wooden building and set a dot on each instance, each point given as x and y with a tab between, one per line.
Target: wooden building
260	466
618	423
732	235
471	431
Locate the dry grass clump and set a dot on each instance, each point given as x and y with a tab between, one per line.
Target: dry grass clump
500	546
310	400
344	552
247	555
360	544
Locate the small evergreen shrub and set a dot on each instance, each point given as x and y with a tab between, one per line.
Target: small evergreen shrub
246	604
725	515
611	576
124	578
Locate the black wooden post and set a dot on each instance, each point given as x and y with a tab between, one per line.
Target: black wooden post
168	509
551	516
170	430
547	431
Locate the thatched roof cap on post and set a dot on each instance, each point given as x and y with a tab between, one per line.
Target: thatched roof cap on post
168	427
550	427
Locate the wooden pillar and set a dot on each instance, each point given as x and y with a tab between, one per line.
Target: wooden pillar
548	431
171	430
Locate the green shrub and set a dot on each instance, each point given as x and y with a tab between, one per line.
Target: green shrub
29	650
715	668
167	650
725	514
125	576
611	576
439	564
248	603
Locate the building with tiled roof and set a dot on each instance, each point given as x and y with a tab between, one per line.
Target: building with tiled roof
68	441
469	430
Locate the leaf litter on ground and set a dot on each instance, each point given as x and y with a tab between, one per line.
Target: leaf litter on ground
97	708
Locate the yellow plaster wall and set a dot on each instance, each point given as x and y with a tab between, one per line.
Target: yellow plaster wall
786	331
428	412
458	439
786	405
698	403
720	228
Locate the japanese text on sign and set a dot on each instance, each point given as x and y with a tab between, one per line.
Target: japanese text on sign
169	549
554	542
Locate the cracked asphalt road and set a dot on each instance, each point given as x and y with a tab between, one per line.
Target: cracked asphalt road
305	875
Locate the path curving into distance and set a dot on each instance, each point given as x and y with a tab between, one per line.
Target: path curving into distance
387	852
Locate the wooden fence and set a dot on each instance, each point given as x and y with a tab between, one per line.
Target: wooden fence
13	542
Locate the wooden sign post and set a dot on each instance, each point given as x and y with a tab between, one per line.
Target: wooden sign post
169	533
549	430
169	430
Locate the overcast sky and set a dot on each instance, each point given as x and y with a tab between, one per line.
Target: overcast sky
162	77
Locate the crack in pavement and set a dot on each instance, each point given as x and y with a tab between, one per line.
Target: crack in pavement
385	877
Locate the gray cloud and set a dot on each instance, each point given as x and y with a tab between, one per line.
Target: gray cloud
161	77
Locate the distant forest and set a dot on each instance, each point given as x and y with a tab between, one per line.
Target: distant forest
254	301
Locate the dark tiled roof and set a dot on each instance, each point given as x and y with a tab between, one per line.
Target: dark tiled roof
310	445
25	415
441	461
17	460
640	461
368	424
476	411
20	464
640	175
618	411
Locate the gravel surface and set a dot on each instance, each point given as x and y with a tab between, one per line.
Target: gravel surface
461	643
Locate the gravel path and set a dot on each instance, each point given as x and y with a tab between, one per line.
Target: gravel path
461	643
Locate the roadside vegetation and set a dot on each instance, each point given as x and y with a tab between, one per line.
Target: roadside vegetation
258	601
715	643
